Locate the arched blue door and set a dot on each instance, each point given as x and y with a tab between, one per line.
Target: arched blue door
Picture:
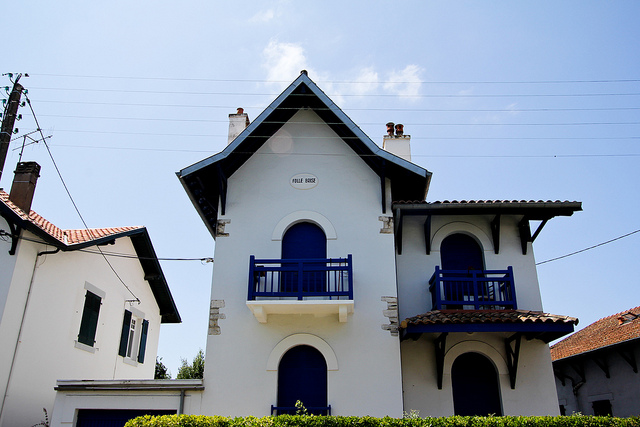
302	375
475	386
304	241
460	252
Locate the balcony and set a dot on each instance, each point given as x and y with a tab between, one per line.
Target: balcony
300	286
472	289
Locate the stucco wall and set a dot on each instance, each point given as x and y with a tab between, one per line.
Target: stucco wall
47	350
368	378
621	389
533	395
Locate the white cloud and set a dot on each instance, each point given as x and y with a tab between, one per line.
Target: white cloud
366	82
283	61
263	16
406	82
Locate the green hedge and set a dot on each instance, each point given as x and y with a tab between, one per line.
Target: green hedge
313	421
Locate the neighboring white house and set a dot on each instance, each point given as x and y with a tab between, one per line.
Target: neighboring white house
335	283
64	312
597	367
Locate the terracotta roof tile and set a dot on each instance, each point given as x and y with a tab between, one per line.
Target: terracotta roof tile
607	331
436	317
68	237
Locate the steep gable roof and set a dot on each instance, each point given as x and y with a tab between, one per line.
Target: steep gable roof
205	181
608	331
71	240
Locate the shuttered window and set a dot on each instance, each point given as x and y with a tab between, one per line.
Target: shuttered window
89	322
133	337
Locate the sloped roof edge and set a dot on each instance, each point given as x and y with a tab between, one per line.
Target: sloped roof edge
139	237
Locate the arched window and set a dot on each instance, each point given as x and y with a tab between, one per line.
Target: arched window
302	375
475	386
460	252
304	241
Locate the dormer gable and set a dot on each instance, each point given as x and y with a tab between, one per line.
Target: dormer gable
206	181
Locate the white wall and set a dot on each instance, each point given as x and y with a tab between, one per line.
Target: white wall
534	392
368	378
47	350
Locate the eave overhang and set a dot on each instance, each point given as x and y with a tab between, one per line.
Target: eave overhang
527	211
531	324
205	181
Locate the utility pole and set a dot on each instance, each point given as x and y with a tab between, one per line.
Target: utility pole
8	120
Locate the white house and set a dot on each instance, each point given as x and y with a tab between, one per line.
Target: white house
64	312
322	237
335	283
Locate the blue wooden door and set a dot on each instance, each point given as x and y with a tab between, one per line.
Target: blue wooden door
475	386
302	375
113	417
304	241
460	252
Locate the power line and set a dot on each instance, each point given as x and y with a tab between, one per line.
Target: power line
589	248
4	233
273	94
344	81
64	184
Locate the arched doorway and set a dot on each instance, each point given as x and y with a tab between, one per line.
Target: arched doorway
302	375
476	390
303	241
460	252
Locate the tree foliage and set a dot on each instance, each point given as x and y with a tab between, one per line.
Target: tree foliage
162	373
192	370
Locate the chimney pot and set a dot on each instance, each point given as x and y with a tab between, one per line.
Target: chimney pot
390	128
24	185
399	129
240	110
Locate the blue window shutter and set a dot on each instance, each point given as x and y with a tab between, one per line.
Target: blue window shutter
124	338
143	340
89	322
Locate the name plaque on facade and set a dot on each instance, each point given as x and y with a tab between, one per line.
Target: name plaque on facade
304	181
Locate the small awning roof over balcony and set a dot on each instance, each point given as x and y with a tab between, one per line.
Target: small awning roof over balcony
531	324
529	210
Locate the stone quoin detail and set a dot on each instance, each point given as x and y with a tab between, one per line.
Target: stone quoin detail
387	224
220	227
215	315
392	313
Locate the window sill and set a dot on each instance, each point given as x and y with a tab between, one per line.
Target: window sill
84	347
130	361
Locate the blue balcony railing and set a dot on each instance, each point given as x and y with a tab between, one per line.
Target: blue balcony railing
472	289
301	279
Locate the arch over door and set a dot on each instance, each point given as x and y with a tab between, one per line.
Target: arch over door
304	241
302	375
476	390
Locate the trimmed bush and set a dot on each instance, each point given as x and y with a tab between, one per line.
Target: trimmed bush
317	421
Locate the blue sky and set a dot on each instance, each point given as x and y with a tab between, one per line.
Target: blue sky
503	99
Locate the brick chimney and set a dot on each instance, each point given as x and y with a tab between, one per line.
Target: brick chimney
398	143
237	123
24	185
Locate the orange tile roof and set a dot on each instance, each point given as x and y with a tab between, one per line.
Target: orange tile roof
436	317
607	331
67	237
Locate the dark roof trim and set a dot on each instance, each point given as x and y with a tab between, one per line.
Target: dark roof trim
205	181
141	243
546	332
534	210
